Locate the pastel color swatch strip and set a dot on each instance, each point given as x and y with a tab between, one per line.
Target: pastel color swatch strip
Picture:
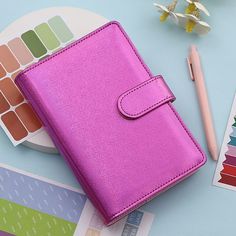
28	117
23	221
4	105
33	42
61	29
130	230
231	150
234	131
20	51
232	141
228	173
47	36
8	60
2	71
16	117
41	196
11	92
14	126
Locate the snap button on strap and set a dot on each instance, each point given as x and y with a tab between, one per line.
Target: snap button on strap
145	97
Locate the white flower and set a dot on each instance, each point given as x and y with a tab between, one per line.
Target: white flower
166	11
199	6
192	23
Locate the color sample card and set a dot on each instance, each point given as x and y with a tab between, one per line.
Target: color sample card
16	116
225	175
32	205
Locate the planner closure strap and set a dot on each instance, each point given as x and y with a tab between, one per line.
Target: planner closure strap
145	97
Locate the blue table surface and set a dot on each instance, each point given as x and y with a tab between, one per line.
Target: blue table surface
193	207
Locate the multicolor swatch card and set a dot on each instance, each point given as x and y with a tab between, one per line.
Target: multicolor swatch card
35	206
16	116
225	175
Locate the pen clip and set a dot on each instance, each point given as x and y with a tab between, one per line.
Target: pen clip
190	69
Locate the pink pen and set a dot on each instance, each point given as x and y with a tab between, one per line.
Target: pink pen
197	76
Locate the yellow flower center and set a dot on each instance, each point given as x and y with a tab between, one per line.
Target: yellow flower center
189	26
190	8
164	16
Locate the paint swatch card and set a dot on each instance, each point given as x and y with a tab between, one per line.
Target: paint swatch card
16	116
32	205
225	174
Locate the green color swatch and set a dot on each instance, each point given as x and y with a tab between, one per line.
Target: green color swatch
34	44
23	221
234	122
60	29
47	36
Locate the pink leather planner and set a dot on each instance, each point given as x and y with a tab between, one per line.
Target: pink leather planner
112	120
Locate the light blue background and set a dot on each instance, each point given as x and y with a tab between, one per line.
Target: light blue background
194	207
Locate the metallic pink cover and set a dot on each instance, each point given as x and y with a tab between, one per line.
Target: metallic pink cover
112	121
